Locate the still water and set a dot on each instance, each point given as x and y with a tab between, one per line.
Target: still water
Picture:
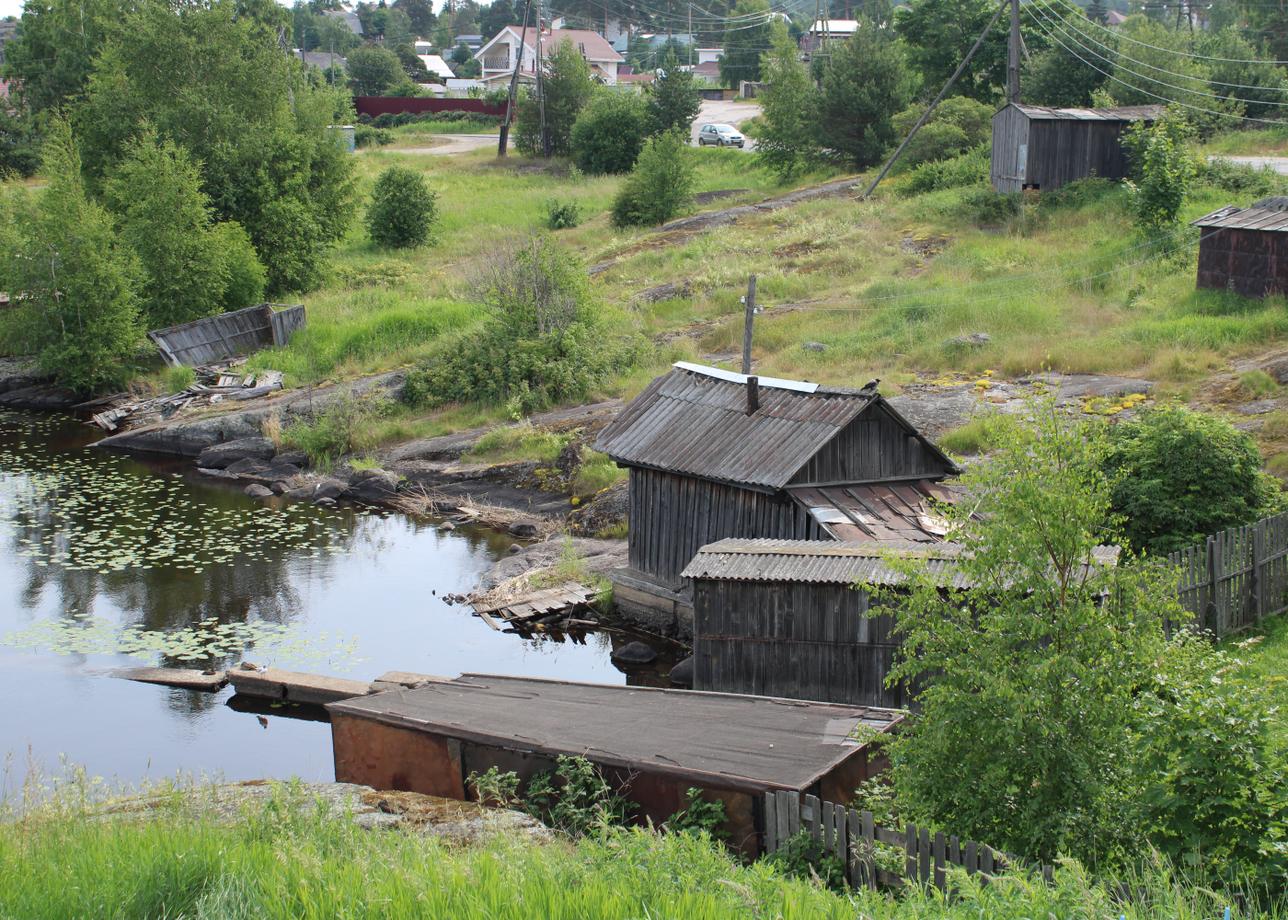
109	562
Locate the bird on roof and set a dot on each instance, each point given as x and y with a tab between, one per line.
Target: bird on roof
870	386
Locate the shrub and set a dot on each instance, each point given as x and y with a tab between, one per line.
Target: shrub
574	798
562	215
988	208
568	86
803	856
979	435
343	427
660	186
1180	475
1257	384
366	136
698	816
1079	193
247	276
970	168
1162	167
609	132
402	209
957	125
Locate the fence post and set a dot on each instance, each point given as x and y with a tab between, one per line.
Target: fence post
1210	611
771	824
910	852
1254	584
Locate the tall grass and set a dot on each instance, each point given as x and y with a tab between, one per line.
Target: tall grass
288	858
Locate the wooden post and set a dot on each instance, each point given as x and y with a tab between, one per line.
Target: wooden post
1209	611
514	81
1254	576
749	317
1013	56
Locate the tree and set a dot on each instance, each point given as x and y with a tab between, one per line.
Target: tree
247	277
660	185
866	81
214	81
497	15
957	125
52	55
673	99
402	209
78	279
414	68
1027	680
372	70
1232	72
940	33
1181	475
420	13
155	193
568	86
1055	77
1162	168
744	43
610	131
789	102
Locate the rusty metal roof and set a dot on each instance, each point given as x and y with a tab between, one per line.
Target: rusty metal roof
879	511
1270	219
694	420
1120	113
730	740
825	562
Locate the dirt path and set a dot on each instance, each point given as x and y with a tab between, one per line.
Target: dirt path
449	145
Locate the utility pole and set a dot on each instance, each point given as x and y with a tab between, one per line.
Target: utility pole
1013	56
690	35
748	320
541	86
514	82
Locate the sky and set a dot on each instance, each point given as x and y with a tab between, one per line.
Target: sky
14	7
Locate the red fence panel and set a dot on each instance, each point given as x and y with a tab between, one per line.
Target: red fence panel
393	105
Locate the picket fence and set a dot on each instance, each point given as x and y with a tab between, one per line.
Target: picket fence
1236	578
852	837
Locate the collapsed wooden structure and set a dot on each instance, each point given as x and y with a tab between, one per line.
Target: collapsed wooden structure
228	335
212	384
713	454
651	745
1039	147
1245	250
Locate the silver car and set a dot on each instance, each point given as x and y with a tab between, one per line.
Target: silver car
720	136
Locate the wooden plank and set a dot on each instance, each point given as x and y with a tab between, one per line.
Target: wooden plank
810	817
781	803
923	853
827	821
939	853
771	823
793	814
910	851
971	861
180	678
869	848
295	686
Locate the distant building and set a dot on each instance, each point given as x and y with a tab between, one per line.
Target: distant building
1036	147
436	66
1245	250
1114	18
709	55
499	56
473	42
8	31
827	30
322	60
349	18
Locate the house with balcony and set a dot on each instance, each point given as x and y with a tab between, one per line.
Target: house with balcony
513	44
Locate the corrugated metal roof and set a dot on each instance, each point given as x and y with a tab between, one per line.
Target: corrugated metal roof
1121	113
879	511
1254	218
825	562
694	420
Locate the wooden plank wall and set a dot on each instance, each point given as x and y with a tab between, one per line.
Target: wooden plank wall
673	516
228	335
854	838
1253	263
873	446
1063	150
792	639
285	322
1236	578
1010	132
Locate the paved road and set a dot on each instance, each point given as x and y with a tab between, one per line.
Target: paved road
716	111
1278	164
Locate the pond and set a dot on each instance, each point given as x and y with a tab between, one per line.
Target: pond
113	562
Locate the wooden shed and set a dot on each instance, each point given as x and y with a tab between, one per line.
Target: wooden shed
1245	249
652	745
791	618
1044	148
714	454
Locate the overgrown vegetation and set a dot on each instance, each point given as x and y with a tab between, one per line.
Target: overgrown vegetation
660	186
342	427
402	210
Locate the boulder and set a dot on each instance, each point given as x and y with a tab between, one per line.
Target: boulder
265	471
447	525
328	489
280	488
523	529
814	346
222	456
634	653
970	340
682	674
294	457
255	490
372	486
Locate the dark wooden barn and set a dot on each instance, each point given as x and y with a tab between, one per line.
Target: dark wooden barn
791	618
1043	148
651	745
713	454
1245	249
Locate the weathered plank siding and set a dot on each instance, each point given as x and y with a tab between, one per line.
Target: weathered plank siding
874	446
1236	578
1010	149
1039	148
228	335
798	640
1253	263
672	516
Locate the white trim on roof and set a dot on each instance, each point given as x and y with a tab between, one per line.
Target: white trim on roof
799	386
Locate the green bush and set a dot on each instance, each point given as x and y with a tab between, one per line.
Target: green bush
698	816
574	798
969	168
562	215
957	125
660	186
1240	179
366	136
609	132
343	427
1180	475
803	856
1162	168
402	210
1079	193
247	276
988	208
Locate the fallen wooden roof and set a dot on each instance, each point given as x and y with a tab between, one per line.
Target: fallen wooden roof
735	741
827	562
895	510
694	420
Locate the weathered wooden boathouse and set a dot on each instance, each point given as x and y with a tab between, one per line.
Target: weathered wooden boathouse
652	745
791	618
714	454
1245	249
1038	147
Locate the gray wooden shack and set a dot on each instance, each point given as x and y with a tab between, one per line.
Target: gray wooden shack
1245	249
713	454
790	618
1044	148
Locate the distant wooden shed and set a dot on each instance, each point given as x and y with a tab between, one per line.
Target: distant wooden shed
652	745
1044	148
1245	249
791	618
714	454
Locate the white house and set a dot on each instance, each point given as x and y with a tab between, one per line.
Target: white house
709	55
436	66
498	57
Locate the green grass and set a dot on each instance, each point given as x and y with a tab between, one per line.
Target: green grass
1268	660
1257	384
518	442
977	436
596	473
288	859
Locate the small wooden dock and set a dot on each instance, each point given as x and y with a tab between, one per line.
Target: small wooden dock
537	610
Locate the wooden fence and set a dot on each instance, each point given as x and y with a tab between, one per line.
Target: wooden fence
228	335
853	837
1236	578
